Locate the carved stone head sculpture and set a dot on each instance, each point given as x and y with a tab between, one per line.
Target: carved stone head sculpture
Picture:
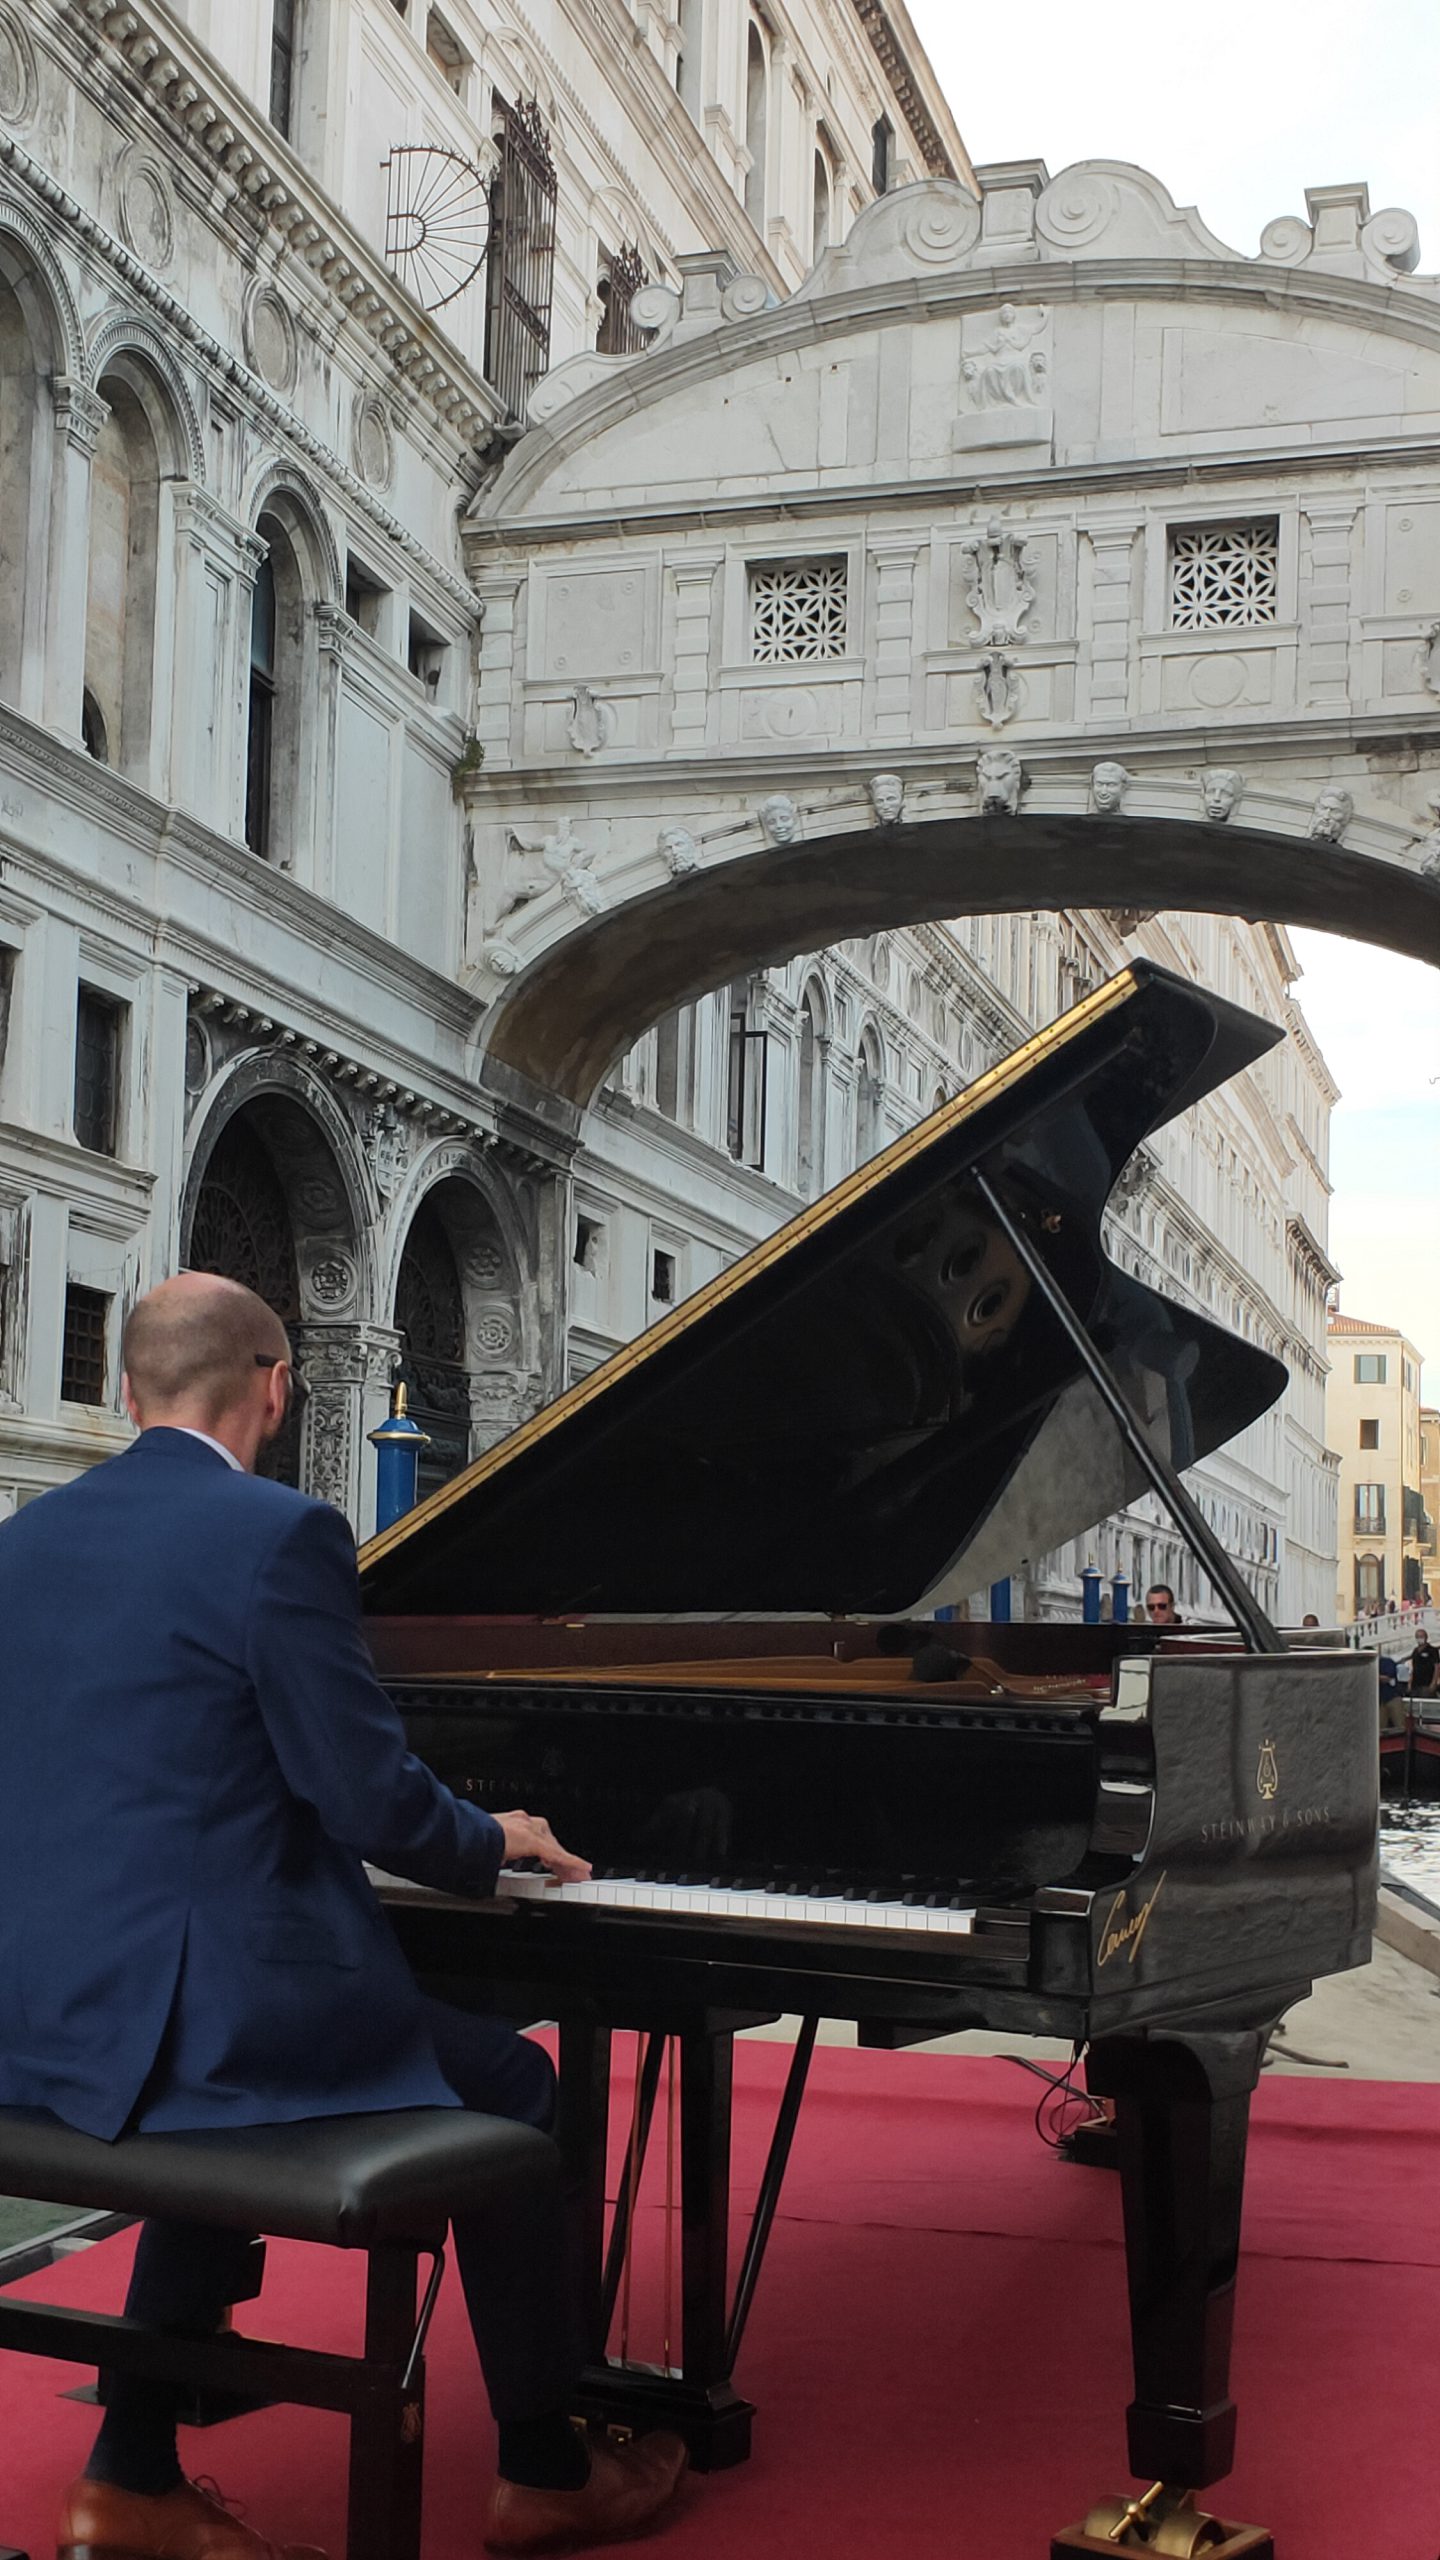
1220	790
1108	786
887	799
780	818
1000	779
677	846
1331	815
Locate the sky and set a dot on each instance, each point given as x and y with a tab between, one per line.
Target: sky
1238	109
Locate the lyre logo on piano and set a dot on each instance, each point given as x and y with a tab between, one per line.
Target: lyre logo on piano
1267	1776
1125	1928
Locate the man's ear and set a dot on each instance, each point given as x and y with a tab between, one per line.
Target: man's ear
127	1398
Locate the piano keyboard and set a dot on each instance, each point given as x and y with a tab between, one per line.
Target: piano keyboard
727	1902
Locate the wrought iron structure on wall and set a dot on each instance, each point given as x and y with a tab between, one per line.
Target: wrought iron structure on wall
621	278
437	221
520	279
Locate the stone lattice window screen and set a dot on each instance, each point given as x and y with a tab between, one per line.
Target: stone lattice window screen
799	611
1223	575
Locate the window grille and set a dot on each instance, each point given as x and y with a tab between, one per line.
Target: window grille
799	611
1223	575
282	65
260	724
747	1086
82	1353
521	273
97	1071
621	278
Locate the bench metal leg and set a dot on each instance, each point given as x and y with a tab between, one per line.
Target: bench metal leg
387	2432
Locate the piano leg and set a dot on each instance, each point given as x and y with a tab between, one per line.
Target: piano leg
1182	2105
699	2401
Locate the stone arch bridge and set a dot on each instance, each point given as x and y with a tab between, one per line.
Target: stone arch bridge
1041	551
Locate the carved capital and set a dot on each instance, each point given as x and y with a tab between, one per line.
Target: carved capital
80	413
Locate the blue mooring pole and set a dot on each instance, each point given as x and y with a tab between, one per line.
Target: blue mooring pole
1000	1603
1090	1595
1120	1600
397	1445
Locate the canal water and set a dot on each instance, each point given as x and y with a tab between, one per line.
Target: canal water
1410	1844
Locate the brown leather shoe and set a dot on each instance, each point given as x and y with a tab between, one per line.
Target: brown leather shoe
101	2523
627	2488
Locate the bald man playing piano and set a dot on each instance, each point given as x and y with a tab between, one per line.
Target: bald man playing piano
196	1764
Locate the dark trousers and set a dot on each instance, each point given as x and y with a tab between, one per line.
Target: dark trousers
515	2268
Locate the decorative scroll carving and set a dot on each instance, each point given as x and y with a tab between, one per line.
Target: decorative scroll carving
999	584
386	1139
592	723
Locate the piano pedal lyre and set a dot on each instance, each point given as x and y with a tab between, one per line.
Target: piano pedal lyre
1163	2521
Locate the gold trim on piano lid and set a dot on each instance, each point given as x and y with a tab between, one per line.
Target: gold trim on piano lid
833	1204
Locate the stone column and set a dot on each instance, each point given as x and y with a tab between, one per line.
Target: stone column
57	683
694	573
331	632
499	595
894	556
348	1368
1112	613
1328	626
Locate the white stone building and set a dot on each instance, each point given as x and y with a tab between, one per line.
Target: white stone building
336	710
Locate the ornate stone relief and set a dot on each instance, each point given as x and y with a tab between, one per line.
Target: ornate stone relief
1221	790
997	693
1108	785
332	1280
592	723
19	80
533	865
999	779
386	1140
269	334
373	442
1430	658
1331	815
1005	372
1427	846
146	208
887	799
999	585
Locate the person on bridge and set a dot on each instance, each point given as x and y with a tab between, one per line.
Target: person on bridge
196	1758
1424	1662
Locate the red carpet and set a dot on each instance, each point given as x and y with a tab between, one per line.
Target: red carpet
938	2351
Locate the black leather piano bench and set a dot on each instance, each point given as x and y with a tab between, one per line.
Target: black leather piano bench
387	2184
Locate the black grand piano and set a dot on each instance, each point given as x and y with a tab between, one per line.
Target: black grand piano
688	1612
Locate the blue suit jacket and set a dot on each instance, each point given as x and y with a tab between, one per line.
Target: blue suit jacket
195	1759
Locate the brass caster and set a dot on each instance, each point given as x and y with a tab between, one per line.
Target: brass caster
1162	2521
1158	2521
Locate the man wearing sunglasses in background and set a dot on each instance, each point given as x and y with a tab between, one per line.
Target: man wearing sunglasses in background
195	1761
1160	1606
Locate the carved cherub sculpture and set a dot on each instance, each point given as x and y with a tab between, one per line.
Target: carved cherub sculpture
1220	791
1000	779
1331	815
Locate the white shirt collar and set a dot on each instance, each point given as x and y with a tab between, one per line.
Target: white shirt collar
227	1454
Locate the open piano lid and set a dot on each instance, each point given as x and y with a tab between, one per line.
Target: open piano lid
875	1410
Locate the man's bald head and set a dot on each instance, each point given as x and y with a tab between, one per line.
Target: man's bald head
190	1348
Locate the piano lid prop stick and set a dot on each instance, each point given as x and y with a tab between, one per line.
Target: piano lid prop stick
1232	1586
669	2209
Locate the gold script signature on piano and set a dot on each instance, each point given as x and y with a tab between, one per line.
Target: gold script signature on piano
1124	1927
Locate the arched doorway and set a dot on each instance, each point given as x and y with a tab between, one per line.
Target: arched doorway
430	1319
241	1228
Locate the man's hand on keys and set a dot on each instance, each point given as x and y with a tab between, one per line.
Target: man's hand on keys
528	1835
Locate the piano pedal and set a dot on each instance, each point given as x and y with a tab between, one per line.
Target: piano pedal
1163	2521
